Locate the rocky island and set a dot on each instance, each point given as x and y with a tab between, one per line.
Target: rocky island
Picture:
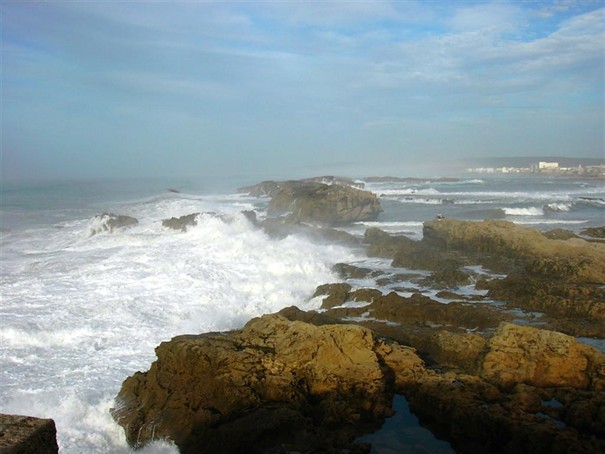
486	377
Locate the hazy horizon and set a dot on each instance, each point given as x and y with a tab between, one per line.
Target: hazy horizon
295	89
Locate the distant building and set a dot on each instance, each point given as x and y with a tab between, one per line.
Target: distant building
542	165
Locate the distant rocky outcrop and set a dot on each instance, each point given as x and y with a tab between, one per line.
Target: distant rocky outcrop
27	435
109	222
327	201
294	382
324	204
270	188
181	223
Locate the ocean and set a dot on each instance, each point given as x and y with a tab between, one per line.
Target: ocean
80	310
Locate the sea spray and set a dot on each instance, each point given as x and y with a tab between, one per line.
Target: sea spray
82	313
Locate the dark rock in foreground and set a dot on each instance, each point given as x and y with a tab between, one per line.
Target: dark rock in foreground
27	435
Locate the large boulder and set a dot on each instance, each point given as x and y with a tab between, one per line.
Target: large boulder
521	354
324	204
276	381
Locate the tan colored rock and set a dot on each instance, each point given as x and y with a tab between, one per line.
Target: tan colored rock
456	350
522	354
212	387
574	259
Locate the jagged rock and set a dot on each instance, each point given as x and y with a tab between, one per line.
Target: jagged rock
279	228
285	385
478	417
336	294
594	232
109	222
324	204
181	223
458	350
419	255
264	189
553	296
347	271
559	234
270	188
27	435
315	385
520	354
417	309
574	259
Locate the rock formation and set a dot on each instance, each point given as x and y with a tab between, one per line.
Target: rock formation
283	385
562	278
325	200
324	204
27	435
181	223
109	222
274	382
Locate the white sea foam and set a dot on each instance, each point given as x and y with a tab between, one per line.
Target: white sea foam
401	192
82	313
531	211
551	221
558	207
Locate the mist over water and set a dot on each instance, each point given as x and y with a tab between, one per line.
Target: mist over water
81	311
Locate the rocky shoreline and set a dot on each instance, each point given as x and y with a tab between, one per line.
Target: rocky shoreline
497	370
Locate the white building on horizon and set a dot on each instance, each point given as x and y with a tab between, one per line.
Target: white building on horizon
543	165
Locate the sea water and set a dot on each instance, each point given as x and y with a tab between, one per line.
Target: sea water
80	311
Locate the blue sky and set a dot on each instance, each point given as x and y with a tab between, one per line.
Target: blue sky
288	88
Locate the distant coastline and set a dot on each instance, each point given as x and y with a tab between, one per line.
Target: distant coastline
584	168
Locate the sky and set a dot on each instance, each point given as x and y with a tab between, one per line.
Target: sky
122	89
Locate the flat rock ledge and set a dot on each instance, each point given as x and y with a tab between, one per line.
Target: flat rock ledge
27	435
295	382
